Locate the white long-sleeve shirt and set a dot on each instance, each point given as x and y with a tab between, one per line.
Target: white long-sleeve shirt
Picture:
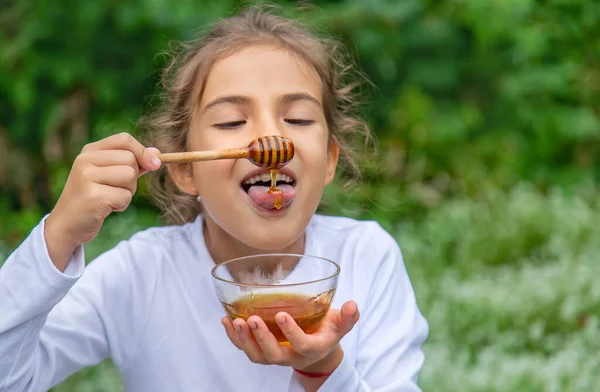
149	304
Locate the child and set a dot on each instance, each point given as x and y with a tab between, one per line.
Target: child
149	303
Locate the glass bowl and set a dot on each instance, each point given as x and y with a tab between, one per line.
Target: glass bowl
263	285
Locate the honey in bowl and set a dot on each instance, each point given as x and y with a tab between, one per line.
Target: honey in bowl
307	312
263	285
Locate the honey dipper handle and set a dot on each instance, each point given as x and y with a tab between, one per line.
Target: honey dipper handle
194	156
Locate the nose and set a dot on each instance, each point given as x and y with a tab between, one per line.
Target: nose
271	151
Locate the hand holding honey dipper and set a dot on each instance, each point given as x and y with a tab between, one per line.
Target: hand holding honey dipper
317	354
104	179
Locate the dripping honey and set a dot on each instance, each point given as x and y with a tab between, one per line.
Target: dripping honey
272	189
307	312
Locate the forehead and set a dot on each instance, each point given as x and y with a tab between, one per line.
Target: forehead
261	72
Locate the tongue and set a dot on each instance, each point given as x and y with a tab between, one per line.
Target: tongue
264	198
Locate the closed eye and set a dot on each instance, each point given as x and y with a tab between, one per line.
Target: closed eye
295	121
230	124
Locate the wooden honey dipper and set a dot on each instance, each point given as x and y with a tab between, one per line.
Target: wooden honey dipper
272	152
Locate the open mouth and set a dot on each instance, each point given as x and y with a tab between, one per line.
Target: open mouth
257	186
264	180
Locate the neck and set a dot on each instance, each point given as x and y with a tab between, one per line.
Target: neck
222	246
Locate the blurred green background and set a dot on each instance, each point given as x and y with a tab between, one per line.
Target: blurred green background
487	120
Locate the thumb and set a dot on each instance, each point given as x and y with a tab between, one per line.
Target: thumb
349	316
149	160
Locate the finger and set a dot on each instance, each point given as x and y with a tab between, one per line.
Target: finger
114	199
124	141
117	176
266	341
120	200
104	158
300	341
153	151
231	333
349	316
248	343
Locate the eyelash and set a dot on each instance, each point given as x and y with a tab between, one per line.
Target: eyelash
231	124
235	124
294	121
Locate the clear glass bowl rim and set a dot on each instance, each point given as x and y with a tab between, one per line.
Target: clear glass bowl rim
214	269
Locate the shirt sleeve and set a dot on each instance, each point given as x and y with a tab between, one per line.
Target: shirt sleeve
391	328
54	323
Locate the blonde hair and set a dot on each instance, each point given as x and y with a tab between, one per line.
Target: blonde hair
184	77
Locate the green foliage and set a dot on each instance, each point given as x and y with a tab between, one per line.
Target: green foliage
528	321
100	378
474	96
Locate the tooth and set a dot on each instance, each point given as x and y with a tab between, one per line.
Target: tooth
251	180
265	177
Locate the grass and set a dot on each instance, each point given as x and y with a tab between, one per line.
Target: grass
507	283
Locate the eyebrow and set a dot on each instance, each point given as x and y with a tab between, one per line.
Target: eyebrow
291	98
233	99
245	101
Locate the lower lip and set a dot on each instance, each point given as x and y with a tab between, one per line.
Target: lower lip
266	211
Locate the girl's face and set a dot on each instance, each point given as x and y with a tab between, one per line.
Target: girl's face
258	91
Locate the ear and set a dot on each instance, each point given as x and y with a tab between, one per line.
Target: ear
333	154
181	173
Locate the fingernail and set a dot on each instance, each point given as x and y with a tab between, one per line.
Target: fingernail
253	324
155	160
238	329
281	319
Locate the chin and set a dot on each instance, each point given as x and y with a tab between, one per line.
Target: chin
270	240
264	232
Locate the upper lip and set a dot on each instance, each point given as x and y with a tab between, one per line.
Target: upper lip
260	171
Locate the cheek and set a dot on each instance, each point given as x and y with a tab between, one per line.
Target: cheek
203	137
315	162
210	176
